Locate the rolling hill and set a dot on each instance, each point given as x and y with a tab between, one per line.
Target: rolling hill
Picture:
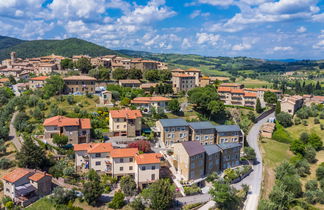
36	48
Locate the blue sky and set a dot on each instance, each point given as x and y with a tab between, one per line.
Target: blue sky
274	29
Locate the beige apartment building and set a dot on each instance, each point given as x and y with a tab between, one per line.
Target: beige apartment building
203	132
213	159
143	65
172	131
102	157
37	82
191	71
190	160
237	97
25	186
229	134
46	68
232	85
183	82
77	130
146	104
291	104
79	84
125	122
230	155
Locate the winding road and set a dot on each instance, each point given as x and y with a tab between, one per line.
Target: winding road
16	140
255	178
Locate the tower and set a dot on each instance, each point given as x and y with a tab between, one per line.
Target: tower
13	57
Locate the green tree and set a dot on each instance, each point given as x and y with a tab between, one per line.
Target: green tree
251	116
128	185
270	97
284	119
224	195
278	108
281	197
63	196
100	73
304	137
285	169
320	172
119	74
173	106
165	75
31	156
92	189
258	107
249	153
60	140
152	75
216	109
125	102
67	63
310	154
53	86
160	193
315	141
134	74
38	114
12	80
137	204
84	65
297	147
118	201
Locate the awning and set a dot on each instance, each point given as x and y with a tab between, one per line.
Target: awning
24	189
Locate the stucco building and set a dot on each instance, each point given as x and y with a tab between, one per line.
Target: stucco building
146	104
37	82
80	85
77	130
291	104
125	122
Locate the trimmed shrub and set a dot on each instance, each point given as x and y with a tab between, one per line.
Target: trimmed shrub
281	134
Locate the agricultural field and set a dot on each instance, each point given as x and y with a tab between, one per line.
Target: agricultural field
253	83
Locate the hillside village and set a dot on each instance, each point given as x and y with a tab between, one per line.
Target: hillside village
121	127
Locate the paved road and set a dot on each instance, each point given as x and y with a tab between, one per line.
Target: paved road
16	140
255	178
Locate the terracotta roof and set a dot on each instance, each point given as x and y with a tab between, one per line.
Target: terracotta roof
47	64
247	94
62	121
240	91
41	78
38	176
125	152
182	75
149	99
126	113
2	80
16	174
130	81
148	158
80	78
94	147
224	89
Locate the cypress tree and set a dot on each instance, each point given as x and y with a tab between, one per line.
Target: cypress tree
258	107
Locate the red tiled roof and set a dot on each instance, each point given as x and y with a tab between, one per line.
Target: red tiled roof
240	91
125	152
149	99
62	121
224	89
93	147
38	176
2	80
126	113
252	95
177	70
148	158
41	78
16	174
148	85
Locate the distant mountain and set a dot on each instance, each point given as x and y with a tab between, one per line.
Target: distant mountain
36	48
6	42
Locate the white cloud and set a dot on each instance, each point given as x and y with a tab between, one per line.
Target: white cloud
204	38
301	29
319	45
266	12
186	43
282	48
197	13
319	17
217	2
240	47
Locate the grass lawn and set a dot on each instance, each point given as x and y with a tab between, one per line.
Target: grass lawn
273	153
253	83
296	130
43	203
